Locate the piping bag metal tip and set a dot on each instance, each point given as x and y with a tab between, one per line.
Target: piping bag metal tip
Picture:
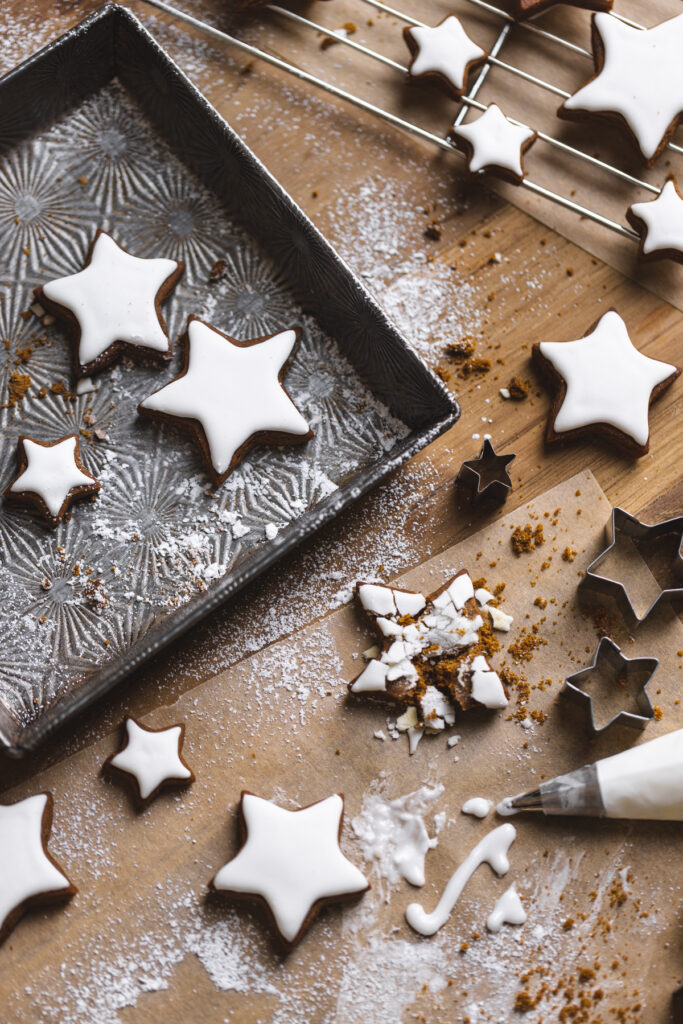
532	801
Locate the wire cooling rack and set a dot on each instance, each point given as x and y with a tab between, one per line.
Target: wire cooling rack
468	102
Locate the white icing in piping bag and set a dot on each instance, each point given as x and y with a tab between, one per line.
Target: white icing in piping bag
493	848
645	782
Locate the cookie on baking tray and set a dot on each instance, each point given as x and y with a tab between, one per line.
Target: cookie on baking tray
150	760
112	307
29	875
51	476
444	54
603	386
290	862
230	395
659	223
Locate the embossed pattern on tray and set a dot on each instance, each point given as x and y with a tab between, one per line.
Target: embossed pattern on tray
158	534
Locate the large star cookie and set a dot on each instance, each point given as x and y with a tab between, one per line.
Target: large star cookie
51	476
113	306
638	81
151	760
660	224
493	144
28	874
291	862
603	385
521	9
444	54
230	395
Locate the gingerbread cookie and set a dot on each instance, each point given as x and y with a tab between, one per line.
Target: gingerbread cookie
603	385
291	863
51	476
29	875
444	54
230	395
660	224
113	306
522	9
431	659
638	82
493	144
150	760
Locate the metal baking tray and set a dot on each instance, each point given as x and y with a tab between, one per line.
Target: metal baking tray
100	129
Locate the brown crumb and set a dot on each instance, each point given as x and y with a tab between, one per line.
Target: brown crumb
519	389
569	554
218	271
19	383
460	349
526	538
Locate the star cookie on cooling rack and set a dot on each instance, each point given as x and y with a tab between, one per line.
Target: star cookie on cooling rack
660	224
493	144
444	54
521	9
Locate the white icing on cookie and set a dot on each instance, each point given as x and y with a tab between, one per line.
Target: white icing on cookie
113	299
25	871
487	688
495	141
291	859
663	220
152	757
507	910
608	380
641	78
477	806
445	50
493	848
51	472
232	390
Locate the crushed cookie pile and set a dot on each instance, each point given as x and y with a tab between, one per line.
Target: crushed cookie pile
526	538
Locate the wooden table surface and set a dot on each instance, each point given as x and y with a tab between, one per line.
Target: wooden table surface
494	276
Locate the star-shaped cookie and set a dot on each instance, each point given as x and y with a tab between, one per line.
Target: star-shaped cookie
113	305
444	54
521	9
230	395
494	144
51	476
660	223
603	385
28	874
151	760
638	81
291	862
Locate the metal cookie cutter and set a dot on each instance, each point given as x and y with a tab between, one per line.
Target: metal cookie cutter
621	523
609	660
485	478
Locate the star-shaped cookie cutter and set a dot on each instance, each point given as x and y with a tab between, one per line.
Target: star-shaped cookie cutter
608	655
486	478
622	522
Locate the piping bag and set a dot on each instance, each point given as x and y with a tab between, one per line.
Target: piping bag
643	782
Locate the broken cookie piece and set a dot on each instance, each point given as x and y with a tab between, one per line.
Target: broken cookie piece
433	657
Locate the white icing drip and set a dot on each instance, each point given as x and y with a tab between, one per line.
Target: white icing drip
492	849
292	859
663	219
478	806
152	757
495	141
508	909
645	782
445	50
641	78
51	472
393	836
608	380
25	871
113	299
233	391
487	688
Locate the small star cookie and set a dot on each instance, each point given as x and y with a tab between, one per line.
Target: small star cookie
51	476
660	224
444	54
29	876
638	81
230	395
113	306
150	760
291	862
603	385
493	144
